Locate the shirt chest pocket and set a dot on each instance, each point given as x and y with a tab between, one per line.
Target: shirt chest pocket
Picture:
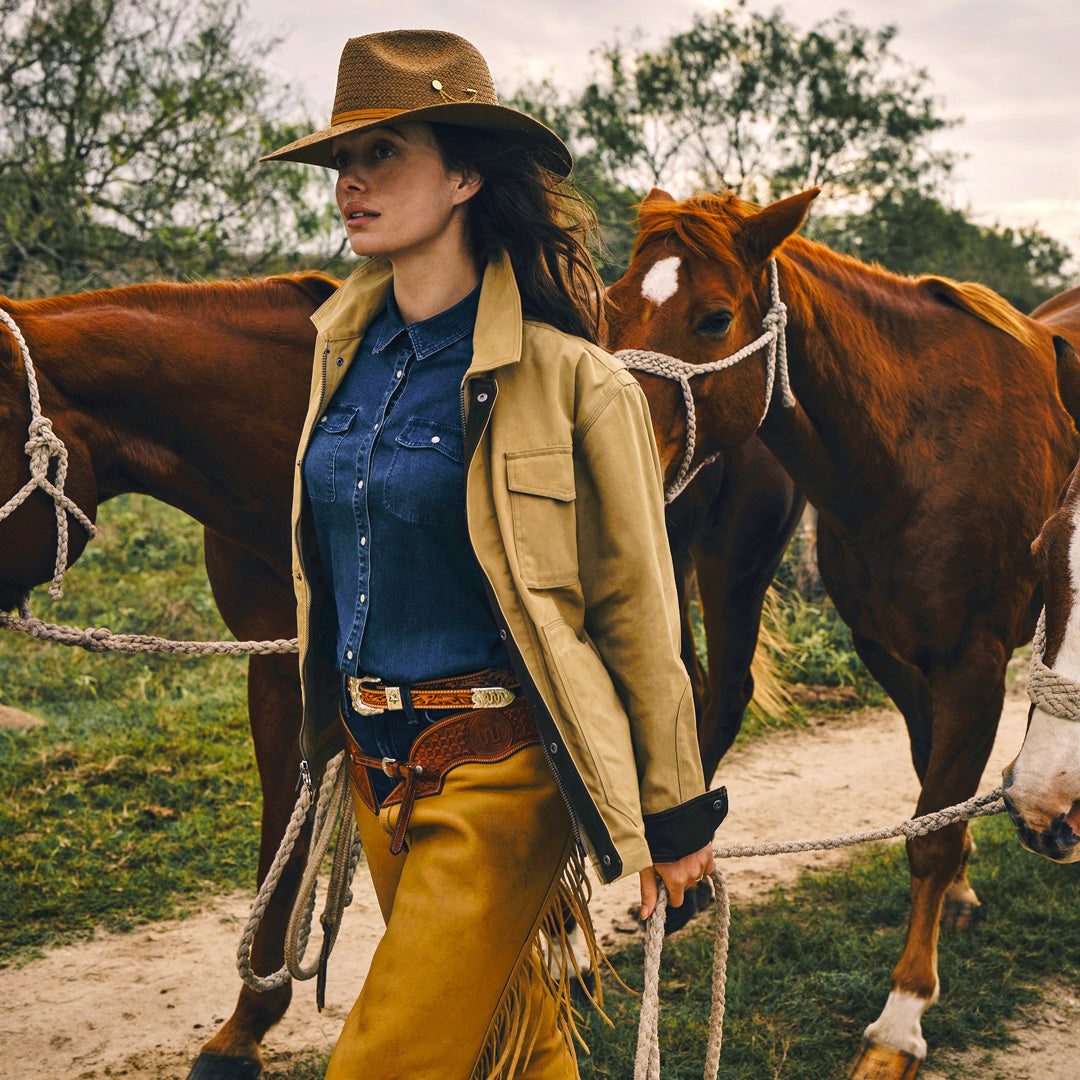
321	462
425	483
541	484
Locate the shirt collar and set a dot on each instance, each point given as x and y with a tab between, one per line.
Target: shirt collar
428	336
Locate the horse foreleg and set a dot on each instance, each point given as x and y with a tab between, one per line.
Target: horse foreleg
274	702
966	702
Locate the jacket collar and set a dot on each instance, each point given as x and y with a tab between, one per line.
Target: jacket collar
496	339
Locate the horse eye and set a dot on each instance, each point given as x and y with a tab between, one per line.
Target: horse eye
717	324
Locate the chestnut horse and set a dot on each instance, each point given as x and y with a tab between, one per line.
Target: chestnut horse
195	394
928	432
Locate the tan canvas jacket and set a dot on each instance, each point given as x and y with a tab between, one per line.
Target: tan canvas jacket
565	512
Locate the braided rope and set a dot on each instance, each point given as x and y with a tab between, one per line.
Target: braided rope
773	337
101	639
647	1061
1054	694
41	447
333	807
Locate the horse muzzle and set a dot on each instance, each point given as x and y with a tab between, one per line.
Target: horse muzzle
1057	841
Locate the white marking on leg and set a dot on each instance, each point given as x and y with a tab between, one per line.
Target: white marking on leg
662	281
899	1024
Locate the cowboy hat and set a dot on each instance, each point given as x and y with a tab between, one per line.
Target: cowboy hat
429	75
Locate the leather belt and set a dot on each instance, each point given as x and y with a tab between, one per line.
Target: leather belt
487	689
475	737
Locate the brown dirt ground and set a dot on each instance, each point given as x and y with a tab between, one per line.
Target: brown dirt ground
141	1004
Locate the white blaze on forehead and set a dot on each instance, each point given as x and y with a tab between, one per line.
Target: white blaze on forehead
662	281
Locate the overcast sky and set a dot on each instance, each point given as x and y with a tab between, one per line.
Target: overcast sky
1010	69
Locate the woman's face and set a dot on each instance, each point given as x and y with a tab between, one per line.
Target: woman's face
395	194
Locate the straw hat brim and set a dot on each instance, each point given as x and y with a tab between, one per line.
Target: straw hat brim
314	149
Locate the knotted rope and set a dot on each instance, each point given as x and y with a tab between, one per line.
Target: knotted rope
647	1062
41	447
1054	694
669	367
333	810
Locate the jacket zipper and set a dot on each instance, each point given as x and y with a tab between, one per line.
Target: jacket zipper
305	768
504	623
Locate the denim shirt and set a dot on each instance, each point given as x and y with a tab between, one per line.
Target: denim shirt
386	478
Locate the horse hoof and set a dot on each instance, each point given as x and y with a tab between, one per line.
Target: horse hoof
960	915
876	1062
222	1067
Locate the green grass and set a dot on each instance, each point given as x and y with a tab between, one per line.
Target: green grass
810	968
140	794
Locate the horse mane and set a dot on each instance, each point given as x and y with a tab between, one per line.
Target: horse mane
184	297
983	303
703	224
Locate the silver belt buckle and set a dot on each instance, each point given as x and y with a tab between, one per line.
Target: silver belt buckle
355	684
491	697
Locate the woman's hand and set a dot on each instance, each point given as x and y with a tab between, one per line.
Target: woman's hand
678	877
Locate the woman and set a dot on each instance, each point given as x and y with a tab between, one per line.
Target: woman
487	610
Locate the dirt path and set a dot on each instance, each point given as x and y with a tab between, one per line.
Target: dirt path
141	1004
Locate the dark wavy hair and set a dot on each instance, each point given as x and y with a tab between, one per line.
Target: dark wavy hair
539	219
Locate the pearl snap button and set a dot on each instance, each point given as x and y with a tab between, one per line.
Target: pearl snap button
435	438
363	598
360	483
363	541
349	654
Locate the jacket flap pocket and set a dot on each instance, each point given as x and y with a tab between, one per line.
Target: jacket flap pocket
431	435
548	472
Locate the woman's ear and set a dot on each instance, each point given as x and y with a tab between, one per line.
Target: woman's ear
467	184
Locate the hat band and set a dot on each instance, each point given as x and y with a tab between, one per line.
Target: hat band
364	114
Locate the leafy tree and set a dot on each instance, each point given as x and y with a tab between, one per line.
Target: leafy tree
747	102
912	232
130	132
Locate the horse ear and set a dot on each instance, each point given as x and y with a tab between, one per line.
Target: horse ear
1068	377
762	233
657	193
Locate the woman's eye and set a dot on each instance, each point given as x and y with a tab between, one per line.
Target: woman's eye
382	151
716	324
338	161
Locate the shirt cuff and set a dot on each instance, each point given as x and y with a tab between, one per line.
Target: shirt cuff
681	830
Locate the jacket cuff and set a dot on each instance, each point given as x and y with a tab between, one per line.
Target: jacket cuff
681	830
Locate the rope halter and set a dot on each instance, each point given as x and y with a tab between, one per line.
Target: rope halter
41	447
1050	692
669	367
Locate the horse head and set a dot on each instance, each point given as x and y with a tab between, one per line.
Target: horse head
698	290
1042	784
28	519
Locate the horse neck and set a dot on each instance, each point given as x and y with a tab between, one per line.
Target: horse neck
197	407
857	342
